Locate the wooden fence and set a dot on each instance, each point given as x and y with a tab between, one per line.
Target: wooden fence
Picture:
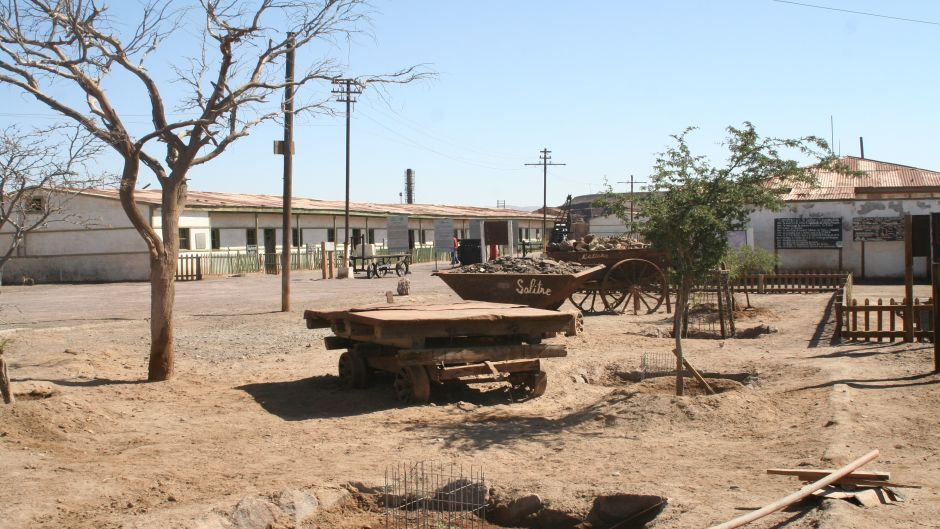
189	268
804	281
880	321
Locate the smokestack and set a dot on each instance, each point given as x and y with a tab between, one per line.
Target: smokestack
861	146
409	186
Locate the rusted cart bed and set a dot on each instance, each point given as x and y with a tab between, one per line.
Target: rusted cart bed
423	345
541	291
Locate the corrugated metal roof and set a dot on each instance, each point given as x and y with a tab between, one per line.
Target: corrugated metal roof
213	200
877	175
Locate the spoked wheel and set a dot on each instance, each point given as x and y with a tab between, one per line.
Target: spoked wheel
401	268
531	384
412	385
635	284
385	269
588	298
353	372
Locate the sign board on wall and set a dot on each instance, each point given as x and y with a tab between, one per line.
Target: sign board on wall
878	229
807	233
443	235
397	232
496	231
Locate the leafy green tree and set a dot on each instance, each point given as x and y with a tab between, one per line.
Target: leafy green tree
745	260
692	204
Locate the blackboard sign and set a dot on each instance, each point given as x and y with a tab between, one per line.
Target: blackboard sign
807	233
878	229
443	235
496	231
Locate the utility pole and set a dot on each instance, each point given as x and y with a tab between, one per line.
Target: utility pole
545	158
631	182
286	149
346	92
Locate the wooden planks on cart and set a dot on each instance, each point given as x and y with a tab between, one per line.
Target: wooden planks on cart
459	355
407	326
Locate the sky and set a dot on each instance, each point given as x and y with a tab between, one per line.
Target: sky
601	84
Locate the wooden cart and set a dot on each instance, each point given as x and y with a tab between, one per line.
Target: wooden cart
630	279
381	265
423	345
541	291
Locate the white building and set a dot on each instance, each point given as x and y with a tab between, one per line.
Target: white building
104	246
860	216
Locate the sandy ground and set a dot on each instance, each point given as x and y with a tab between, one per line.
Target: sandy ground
255	408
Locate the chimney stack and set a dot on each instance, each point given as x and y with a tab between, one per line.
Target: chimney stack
861	146
409	186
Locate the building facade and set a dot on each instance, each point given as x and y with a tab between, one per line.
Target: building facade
95	241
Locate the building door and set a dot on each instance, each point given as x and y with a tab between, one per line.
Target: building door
270	249
921	244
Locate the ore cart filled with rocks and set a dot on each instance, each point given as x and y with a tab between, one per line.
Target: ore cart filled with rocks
538	283
427	345
629	274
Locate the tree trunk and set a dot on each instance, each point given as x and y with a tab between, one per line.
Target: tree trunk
682	299
5	389
162	297
163	286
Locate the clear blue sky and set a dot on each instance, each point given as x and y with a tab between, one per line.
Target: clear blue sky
602	84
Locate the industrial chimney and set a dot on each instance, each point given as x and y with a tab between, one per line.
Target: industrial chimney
861	147
409	186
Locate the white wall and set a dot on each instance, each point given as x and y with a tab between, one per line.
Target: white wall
100	244
882	259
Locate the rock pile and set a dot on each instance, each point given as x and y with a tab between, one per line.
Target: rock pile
521	265
591	243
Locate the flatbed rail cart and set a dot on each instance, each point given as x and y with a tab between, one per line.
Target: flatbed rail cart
425	345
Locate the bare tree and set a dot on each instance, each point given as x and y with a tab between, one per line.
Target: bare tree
40	172
229	84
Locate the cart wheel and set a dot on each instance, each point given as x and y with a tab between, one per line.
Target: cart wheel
634	284
577	326
401	268
588	298
531	384
369	271
412	385
375	270
386	270
353	372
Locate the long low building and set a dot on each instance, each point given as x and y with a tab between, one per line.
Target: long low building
94	240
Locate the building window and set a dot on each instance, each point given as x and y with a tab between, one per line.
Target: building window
422	237
295	237
356	234
216	238
371	235
251	237
36	204
330	235
184	239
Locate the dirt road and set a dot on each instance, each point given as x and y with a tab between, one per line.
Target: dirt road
256	409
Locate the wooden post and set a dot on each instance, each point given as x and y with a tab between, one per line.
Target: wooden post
908	279
323	264
936	311
863	260
5	388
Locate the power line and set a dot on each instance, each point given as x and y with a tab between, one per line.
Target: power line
405	140
858	12
545	161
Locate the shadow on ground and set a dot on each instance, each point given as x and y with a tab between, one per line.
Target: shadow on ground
322	396
924	379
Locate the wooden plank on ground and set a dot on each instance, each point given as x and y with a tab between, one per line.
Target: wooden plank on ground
812	474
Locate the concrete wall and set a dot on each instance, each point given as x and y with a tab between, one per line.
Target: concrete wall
92	241
882	259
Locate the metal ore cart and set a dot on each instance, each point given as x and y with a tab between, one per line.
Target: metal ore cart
540	291
427	345
630	279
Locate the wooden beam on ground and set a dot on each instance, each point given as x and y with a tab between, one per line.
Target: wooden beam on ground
799	495
811	474
5	387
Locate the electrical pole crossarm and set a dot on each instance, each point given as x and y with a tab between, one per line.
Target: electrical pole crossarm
545	162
